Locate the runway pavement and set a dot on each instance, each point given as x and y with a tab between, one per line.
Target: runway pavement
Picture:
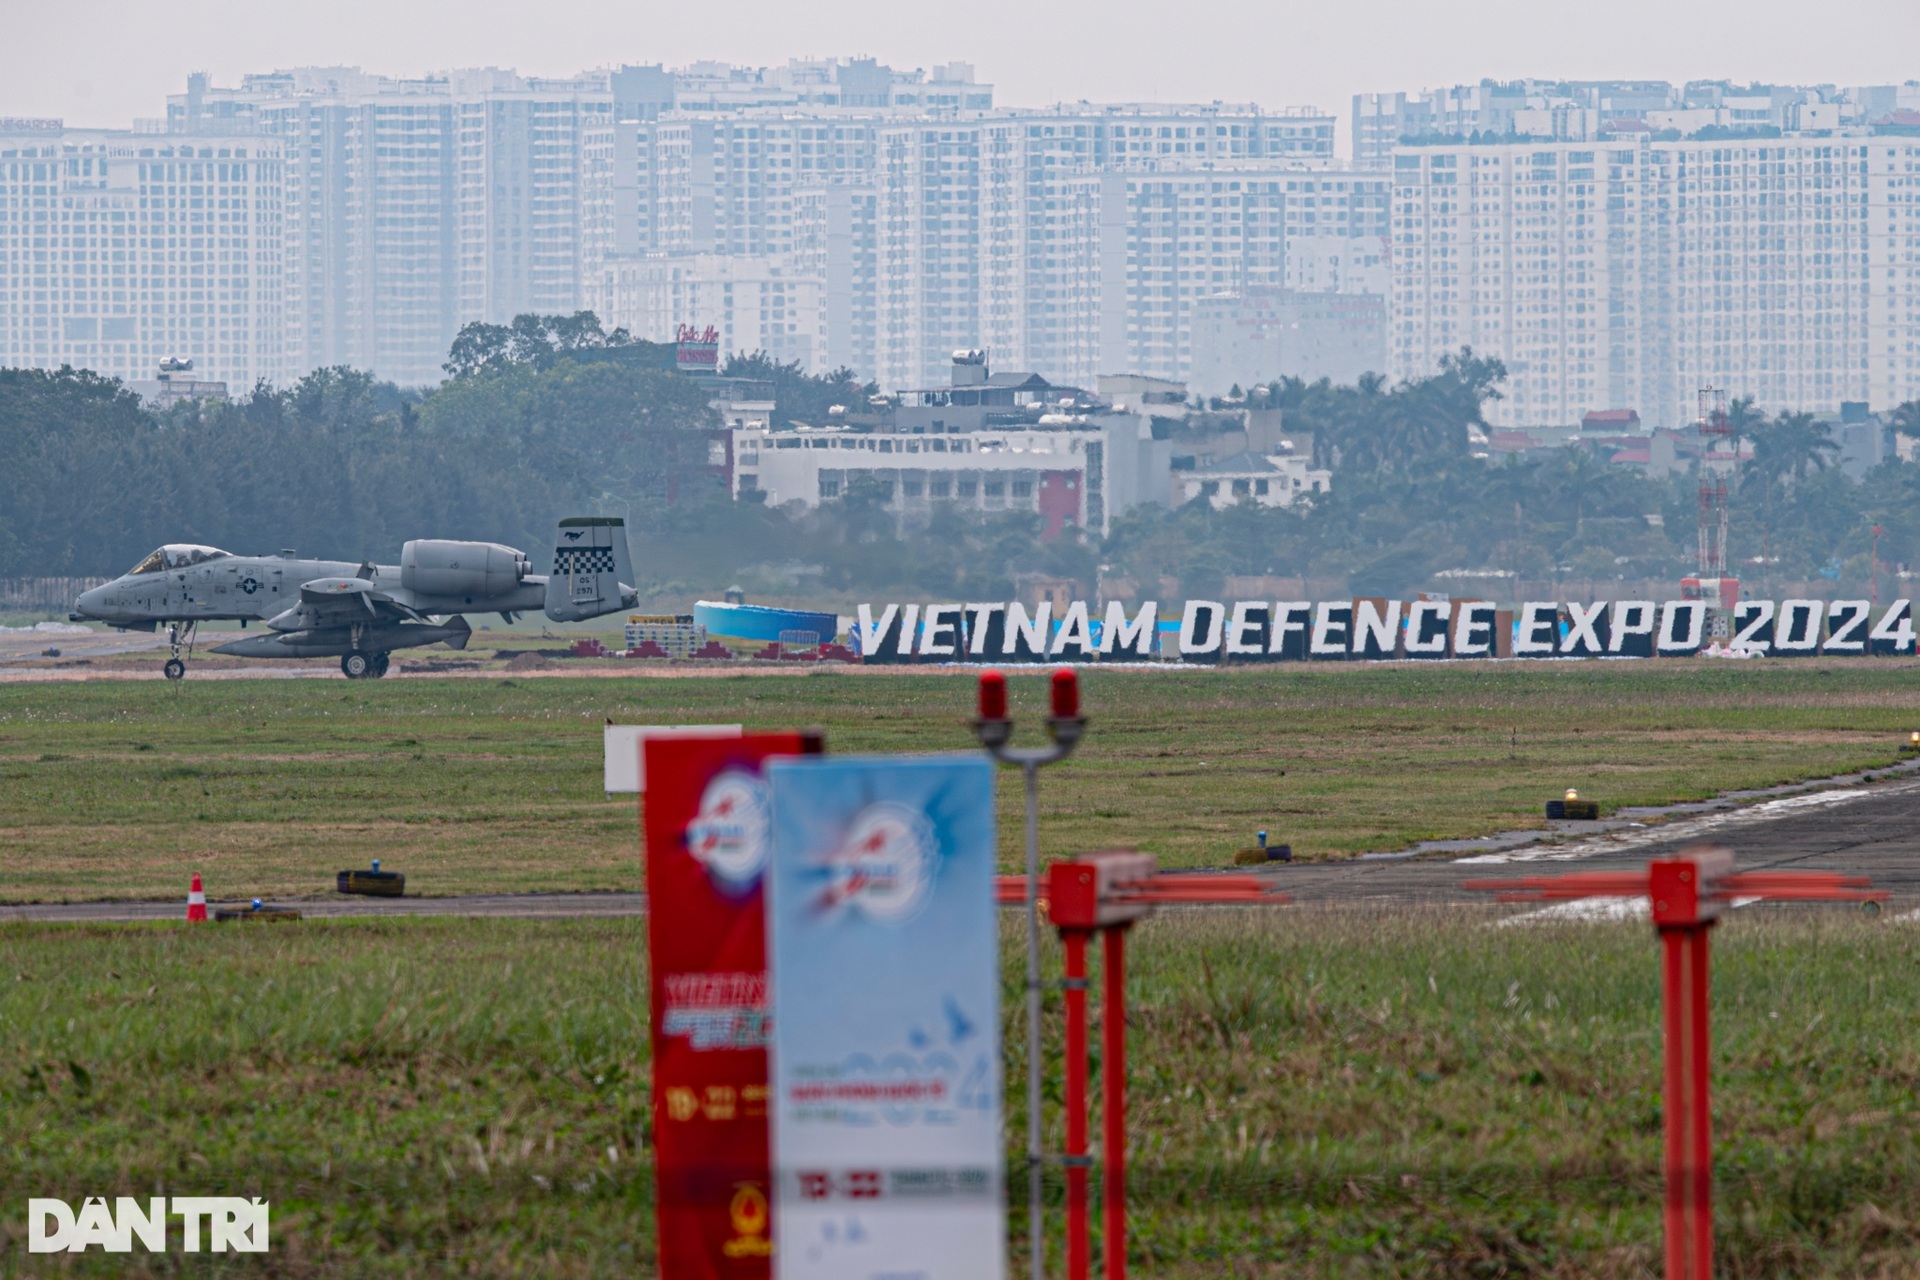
525	906
16	646
1866	828
1867	824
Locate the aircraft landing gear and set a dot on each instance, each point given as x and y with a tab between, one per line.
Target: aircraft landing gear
364	666
175	668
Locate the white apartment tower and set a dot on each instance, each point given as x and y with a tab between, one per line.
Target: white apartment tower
519	179
1629	273
835	244
1171	237
371	277
415	206
121	249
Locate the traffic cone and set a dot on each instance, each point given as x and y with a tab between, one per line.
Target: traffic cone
196	902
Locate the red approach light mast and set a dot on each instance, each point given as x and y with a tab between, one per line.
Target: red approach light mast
1685	895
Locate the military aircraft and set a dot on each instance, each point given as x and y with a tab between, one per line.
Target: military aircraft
361	612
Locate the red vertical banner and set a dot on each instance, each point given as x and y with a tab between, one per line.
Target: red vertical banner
707	840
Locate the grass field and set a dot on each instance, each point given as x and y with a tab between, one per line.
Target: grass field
1313	1094
124	788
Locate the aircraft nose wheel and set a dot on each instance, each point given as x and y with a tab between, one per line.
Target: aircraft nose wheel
175	668
356	666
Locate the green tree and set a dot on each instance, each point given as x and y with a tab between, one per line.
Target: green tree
542	341
1906	419
1786	448
799	396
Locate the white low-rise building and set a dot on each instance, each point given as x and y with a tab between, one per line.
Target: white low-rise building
1076	476
1267	480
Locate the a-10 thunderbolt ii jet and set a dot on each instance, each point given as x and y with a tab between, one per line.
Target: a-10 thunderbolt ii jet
359	613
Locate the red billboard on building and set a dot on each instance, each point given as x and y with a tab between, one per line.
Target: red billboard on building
696	351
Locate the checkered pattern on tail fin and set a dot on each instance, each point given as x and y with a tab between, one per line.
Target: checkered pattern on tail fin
592	573
578	561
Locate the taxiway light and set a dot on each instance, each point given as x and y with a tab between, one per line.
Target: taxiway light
993	696
1066	694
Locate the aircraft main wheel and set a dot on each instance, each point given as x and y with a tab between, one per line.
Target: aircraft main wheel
175	668
355	666
380	664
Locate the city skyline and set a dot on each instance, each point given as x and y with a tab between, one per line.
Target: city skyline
135	56
842	211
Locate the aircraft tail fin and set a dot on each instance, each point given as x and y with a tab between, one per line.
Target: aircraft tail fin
592	569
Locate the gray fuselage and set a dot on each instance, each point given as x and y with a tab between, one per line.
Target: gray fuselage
254	588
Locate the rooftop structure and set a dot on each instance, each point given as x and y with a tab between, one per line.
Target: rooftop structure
1588	110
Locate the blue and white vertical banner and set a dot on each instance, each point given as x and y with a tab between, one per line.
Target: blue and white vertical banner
882	949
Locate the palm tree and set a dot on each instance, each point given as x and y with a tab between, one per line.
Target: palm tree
1742	416
1792	445
1906	419
1742	420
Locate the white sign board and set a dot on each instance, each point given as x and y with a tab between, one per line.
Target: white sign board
883	959
624	772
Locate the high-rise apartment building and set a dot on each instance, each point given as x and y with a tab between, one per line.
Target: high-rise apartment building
956	229
121	249
414	206
520	177
928	219
835	243
1173	236
754	303
1631	272
371	262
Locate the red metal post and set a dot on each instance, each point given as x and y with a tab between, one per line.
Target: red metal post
1113	1088
1079	1234
1688	1114
1702	1108
1105	891
1687	893
1685	903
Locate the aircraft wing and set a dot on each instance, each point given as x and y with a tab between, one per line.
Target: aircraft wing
340	602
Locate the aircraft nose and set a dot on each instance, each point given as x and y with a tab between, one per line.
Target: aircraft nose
92	602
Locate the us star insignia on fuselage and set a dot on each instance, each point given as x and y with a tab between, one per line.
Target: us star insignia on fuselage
361	612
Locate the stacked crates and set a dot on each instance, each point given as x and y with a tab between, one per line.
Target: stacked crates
673	633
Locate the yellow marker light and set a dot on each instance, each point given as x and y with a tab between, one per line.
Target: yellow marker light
1572	794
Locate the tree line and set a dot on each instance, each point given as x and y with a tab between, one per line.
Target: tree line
1409	498
541	419
551	416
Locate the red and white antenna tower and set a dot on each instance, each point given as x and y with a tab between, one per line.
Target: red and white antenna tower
1712	581
1715	434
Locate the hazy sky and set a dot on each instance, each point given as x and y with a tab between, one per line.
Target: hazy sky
103	62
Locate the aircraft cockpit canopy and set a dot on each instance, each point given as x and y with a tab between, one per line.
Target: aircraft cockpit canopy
177	555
